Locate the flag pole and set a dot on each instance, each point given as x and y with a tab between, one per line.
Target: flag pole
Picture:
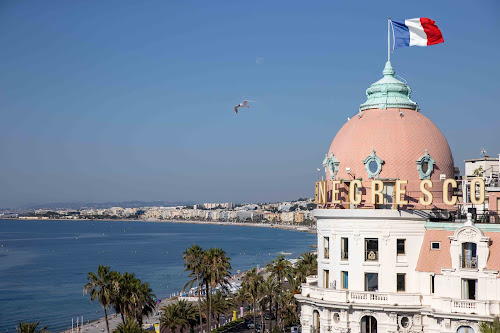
389	39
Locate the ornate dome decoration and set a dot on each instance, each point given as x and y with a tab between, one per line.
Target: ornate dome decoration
373	165
425	166
331	165
388	92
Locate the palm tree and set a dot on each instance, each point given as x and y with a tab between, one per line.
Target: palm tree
30	328
279	268
193	260
490	327
171	318
306	266
101	286
250	283
146	302
220	304
131	326
188	312
216	271
180	314
270	290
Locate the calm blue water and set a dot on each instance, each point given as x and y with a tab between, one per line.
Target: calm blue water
44	264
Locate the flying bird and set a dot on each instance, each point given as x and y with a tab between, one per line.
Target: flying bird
243	104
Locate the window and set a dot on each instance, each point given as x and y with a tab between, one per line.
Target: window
405	322
373	165
345	280
468	258
371	249
326	277
326	243
425	166
465	329
371	281
401	246
401	281
435	245
432	284
469	288
344	248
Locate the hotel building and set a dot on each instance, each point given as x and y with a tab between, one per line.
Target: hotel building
403	264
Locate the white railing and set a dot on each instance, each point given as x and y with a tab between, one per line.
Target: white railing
442	304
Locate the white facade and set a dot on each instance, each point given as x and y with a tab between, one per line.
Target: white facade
362	252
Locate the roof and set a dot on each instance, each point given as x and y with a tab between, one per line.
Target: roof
434	260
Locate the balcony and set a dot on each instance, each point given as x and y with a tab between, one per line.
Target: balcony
326	253
468	262
362	297
344	255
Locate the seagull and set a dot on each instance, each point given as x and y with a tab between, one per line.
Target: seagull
401	114
243	104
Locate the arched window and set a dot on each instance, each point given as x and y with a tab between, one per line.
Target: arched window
368	324
425	166
373	165
465	329
315	326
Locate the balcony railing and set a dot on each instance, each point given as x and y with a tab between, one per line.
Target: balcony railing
468	262
371	255
327	253
344	255
442	304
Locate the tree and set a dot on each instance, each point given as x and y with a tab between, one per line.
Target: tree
30	328
131	326
216	272
220	304
306	266
193	261
251	283
279	268
490	327
101	286
270	289
171	318
188	312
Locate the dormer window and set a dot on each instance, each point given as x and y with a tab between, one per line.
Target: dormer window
425	166
373	165
468	257
331	165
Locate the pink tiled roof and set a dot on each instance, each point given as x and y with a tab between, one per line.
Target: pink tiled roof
433	260
399	140
494	258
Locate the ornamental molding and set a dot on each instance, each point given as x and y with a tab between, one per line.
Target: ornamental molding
426	158
331	165
370	159
467	234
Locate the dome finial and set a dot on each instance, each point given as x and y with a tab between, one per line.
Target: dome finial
388	92
388	70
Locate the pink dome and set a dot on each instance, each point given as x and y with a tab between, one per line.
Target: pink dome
399	140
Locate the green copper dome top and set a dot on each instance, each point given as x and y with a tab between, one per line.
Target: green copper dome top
388	92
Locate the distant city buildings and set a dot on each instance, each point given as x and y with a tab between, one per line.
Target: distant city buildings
293	212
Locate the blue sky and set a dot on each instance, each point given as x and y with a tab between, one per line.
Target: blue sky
132	100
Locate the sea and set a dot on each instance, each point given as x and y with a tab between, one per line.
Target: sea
44	264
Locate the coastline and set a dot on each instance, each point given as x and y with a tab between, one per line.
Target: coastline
292	227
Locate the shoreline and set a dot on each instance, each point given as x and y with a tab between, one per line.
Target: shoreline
292	227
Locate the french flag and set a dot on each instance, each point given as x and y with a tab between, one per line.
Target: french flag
416	32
